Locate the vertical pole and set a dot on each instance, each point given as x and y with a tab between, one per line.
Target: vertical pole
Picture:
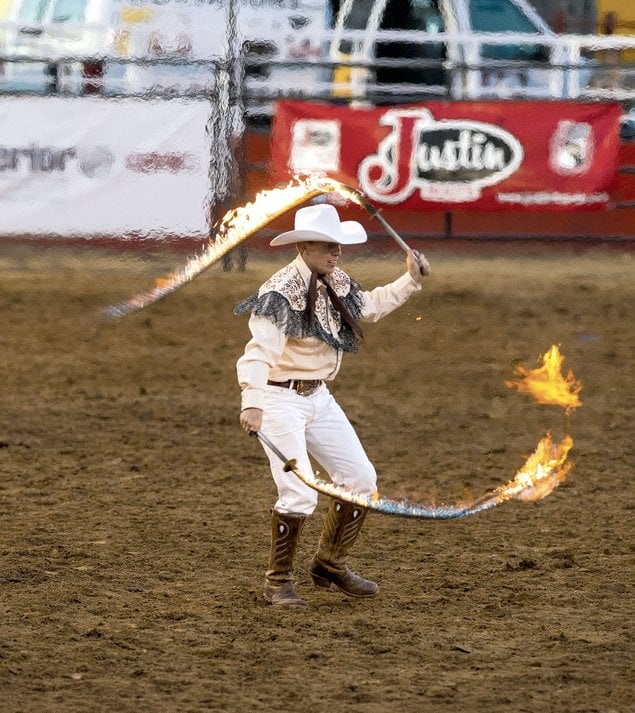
235	126
225	129
447	224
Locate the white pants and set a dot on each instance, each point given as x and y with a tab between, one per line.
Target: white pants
302	425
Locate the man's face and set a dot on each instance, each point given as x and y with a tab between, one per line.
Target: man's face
321	257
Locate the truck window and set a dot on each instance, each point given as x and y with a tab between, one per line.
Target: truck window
358	14
421	15
427	17
499	16
32	11
505	17
69	11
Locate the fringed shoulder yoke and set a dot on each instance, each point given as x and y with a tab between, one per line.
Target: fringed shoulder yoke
283	300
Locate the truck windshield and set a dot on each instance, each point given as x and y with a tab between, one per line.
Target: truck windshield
426	16
505	17
32	10
499	16
69	11
424	62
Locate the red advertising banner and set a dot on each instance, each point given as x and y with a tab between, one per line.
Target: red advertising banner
473	155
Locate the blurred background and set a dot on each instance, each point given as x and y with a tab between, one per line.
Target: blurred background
144	120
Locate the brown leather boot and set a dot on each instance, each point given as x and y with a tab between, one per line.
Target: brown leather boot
285	533
342	525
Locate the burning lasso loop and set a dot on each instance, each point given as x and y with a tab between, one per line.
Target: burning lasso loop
543	471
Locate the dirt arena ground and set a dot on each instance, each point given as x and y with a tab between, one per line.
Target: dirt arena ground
135	513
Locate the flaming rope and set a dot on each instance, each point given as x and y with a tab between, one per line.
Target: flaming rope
543	471
235	227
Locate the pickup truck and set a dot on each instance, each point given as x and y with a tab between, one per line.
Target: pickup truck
464	49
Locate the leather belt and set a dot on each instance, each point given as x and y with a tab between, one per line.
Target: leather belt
302	386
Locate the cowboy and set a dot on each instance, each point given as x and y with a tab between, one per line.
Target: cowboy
302	321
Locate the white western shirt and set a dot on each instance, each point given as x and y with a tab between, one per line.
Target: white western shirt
272	355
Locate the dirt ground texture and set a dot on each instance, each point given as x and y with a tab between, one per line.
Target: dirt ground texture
135	513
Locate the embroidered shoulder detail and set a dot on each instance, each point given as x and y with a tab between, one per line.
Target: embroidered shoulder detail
282	300
271	305
340	282
290	283
354	299
274	307
287	282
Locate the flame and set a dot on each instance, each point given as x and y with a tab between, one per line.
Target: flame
543	471
546	383
269	204
236	225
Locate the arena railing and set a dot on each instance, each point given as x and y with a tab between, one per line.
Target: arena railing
585	67
242	86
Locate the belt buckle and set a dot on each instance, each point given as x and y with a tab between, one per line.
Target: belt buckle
306	388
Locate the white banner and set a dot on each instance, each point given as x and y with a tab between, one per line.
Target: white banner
86	166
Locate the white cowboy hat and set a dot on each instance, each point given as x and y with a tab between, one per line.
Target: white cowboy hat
322	222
